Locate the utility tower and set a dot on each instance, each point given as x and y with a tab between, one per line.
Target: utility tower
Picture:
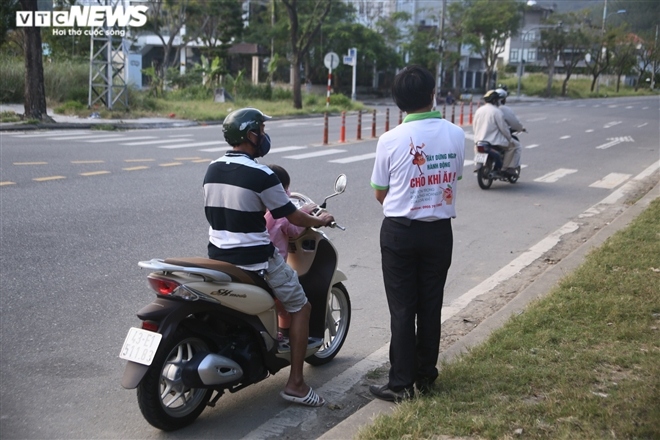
108	62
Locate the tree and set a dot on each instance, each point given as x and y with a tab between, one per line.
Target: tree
302	30
577	45
649	56
8	10
35	92
624	56
553	43
488	24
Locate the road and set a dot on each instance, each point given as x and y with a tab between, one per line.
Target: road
80	208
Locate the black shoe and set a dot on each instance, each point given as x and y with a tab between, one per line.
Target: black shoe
424	386
384	393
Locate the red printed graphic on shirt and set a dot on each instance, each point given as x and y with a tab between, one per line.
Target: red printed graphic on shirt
419	157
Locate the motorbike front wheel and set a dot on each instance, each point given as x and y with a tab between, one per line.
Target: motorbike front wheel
165	402
483	175
337	321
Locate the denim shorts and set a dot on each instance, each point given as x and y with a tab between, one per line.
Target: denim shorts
285	284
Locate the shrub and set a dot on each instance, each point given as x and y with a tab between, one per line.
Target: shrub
70	107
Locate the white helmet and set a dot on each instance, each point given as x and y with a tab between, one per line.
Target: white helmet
503	94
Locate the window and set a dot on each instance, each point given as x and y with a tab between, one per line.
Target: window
513	56
531	55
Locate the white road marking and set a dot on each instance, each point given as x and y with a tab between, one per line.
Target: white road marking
87	136
315	154
63	133
612	124
354	158
160	141
469	136
285	149
615	141
630	185
532	146
555	175
611	181
642	125
536	119
214	150
589	131
630	106
106	139
565	137
192	144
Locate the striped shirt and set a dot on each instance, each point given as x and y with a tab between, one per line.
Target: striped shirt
237	193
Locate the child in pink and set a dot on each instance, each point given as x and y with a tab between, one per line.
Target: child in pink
281	231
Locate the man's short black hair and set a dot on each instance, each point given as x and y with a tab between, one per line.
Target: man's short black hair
412	88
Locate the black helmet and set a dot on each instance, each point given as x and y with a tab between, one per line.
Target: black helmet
239	123
492	97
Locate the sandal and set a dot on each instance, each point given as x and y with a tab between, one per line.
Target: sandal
311	399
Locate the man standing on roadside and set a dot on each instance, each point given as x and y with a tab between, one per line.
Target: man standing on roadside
415	175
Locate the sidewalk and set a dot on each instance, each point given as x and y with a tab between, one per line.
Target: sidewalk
64	122
541	286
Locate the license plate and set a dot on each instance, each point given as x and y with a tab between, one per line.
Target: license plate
140	346
480	158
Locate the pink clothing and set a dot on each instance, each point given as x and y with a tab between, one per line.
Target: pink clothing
280	230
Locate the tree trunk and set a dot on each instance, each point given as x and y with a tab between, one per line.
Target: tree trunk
551	73
295	83
35	93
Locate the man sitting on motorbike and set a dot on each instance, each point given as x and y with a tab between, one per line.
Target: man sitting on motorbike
489	125
237	192
514	125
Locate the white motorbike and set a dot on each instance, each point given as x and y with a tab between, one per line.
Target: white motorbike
213	327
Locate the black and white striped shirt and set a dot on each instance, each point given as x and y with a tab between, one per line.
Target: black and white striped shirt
237	193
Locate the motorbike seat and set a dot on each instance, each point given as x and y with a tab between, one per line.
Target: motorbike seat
236	273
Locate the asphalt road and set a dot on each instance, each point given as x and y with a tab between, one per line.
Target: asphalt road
79	209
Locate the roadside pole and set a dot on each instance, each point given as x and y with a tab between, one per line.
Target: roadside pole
331	61
351	60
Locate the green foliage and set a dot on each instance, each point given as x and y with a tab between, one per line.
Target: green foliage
70	107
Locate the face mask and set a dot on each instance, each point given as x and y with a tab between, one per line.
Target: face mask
264	145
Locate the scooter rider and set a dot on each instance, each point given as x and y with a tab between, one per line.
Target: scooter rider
514	125
237	192
489	125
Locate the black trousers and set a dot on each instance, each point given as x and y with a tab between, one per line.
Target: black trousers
415	260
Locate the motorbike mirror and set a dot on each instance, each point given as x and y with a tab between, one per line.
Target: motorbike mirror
340	187
340	184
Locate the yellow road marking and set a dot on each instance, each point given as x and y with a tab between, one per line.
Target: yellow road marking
171	164
30	163
44	179
135	168
139	160
202	160
77	162
7	183
95	173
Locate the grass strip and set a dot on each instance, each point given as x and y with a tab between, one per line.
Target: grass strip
581	363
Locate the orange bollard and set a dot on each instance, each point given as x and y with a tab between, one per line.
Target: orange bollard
359	127
373	124
342	131
460	118
470	119
444	111
453	111
325	129
387	119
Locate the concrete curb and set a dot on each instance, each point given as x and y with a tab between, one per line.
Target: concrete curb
539	288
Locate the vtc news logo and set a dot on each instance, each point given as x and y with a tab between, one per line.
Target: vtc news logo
85	16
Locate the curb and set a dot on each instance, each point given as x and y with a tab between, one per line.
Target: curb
542	286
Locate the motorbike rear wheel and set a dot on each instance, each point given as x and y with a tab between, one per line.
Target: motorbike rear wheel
483	175
514	178
337	321
165	402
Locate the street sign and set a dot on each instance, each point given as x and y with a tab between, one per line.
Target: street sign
349	60
331	60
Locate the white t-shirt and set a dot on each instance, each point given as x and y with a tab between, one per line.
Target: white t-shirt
419	162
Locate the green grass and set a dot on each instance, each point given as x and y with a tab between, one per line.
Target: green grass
581	363
535	84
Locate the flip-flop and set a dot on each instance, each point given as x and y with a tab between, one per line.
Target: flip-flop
311	399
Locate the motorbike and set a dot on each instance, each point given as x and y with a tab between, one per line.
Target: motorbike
485	159
213	326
